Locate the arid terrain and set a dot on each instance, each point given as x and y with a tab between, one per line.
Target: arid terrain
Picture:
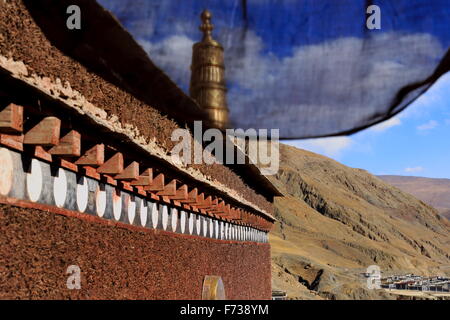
435	192
335	221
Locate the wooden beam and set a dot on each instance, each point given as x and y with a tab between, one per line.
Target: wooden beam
12	141
68	146
113	166
244	216
157	184
237	214
207	203
227	211
11	119
200	200
94	157
145	179
220	205
169	190
41	153
232	214
130	173
45	133
192	197
218	208
181	194
252	219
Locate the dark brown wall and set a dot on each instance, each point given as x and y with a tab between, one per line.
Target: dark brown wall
116	262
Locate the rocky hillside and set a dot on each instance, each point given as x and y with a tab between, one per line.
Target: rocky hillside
446	214
435	192
335	221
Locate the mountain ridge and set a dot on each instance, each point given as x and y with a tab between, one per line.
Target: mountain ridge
335	221
433	191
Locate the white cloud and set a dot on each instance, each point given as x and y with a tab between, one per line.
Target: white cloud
430	125
331	147
414	169
383	126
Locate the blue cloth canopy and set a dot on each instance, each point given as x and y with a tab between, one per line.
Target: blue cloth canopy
311	68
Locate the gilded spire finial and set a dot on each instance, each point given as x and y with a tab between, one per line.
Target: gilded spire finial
207	85
206	27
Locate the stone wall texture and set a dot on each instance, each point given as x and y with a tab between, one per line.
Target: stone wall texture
119	261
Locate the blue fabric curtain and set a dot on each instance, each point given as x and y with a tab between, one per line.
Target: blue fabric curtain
308	67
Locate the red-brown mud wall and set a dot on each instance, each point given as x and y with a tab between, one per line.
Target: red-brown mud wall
36	248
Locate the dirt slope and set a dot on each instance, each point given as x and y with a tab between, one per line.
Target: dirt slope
335	221
435	192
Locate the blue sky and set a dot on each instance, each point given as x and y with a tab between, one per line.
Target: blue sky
415	143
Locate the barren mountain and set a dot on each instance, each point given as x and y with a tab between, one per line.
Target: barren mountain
446	214
335	221
435	192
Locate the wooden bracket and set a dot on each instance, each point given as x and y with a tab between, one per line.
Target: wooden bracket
236	214
45	133
145	179
157	184
200	200
41	153
130	173
227	211
11	119
207	203
12	141
218	208
181	193
113	166
68	146
94	157
192	196
169	190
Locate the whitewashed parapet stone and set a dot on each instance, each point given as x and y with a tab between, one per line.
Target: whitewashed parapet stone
216	229
34	181
82	194
198	225
100	200
173	218
60	188
205	226
191	223
130	205
117	204
183	218
143	212
70	202
211	227
6	171
221	230
154	214
164	216
225	233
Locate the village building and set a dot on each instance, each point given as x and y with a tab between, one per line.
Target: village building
86	178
